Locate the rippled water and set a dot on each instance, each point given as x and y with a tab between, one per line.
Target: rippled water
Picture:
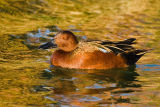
27	80
137	85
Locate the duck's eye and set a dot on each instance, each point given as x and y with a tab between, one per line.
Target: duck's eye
65	37
63	45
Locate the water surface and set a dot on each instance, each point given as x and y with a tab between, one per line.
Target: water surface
27	80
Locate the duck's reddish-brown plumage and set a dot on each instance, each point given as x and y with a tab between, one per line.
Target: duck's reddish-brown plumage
87	60
74	54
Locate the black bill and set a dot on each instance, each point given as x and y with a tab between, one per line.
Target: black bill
47	45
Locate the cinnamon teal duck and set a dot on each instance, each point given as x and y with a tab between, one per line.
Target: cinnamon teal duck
92	54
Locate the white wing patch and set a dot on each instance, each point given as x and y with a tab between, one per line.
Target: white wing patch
103	50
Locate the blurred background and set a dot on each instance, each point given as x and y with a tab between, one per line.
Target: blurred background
26	79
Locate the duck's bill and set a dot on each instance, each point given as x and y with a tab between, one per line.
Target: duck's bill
48	45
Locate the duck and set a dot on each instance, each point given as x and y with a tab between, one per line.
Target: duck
92	54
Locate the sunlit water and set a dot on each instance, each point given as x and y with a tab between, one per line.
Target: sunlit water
33	83
79	88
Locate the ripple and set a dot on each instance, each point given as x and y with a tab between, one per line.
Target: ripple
149	67
95	86
90	98
50	98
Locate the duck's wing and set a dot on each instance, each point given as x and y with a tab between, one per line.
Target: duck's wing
116	47
124	48
129	41
107	48
125	45
101	47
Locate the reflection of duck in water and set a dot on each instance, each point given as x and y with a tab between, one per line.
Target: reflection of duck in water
79	85
93	54
123	77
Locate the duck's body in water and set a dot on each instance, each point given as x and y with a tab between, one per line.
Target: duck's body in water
93	54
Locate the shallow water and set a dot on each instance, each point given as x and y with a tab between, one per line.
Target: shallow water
27	80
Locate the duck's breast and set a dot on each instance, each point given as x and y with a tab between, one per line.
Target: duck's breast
67	59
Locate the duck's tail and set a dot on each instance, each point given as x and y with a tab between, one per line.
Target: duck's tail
133	56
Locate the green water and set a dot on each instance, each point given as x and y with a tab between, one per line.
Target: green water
27	80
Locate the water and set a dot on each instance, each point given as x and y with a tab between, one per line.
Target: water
27	80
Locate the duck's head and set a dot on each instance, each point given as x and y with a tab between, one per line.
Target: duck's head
66	41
